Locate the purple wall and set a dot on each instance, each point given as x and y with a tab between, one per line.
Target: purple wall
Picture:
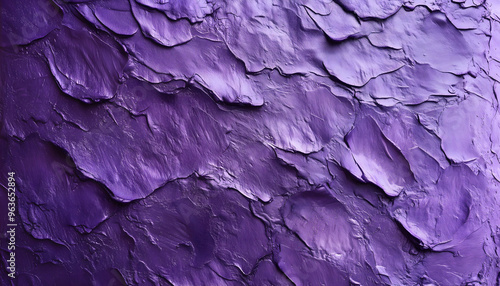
271	142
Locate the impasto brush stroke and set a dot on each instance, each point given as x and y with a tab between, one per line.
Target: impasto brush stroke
272	142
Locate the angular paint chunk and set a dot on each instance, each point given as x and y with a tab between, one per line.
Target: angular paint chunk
85	67
156	26
380	161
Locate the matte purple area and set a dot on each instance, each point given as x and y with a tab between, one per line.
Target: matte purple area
210	142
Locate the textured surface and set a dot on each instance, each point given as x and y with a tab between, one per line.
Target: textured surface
210	142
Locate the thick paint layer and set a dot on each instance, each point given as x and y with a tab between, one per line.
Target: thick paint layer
353	142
